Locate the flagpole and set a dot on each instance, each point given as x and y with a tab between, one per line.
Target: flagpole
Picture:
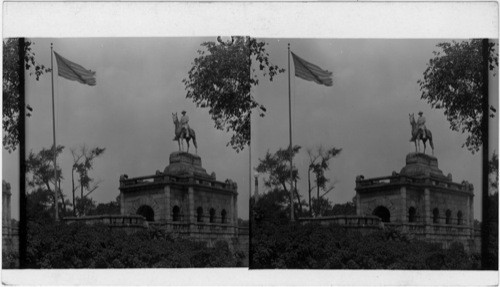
54	136
290	128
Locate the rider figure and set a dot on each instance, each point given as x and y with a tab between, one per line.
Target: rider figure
184	124
421	124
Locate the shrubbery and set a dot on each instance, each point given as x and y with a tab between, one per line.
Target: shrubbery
98	246
315	246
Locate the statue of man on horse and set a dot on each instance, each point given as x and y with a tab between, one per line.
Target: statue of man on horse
183	131
420	132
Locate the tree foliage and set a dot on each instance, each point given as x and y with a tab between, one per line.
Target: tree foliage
221	79
11	81
98	246
319	163
493	173
40	179
112	207
83	163
277	168
314	246
453	81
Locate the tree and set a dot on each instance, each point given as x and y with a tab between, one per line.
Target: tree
40	206
221	79
112	207
40	172
453	81
492	256
83	161
277	167
319	163
493	173
348	208
11	97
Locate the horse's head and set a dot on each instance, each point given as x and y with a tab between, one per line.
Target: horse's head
412	118
174	118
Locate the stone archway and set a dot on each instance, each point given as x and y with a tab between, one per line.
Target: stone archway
147	212
383	213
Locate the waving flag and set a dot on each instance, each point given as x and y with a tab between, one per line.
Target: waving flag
74	72
311	72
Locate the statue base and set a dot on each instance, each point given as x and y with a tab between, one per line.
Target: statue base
183	163
422	165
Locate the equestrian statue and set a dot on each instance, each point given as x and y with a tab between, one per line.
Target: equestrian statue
420	132
184	132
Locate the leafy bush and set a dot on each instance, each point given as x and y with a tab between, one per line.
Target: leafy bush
98	246
315	246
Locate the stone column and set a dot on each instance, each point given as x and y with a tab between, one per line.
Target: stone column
6	217
122	203
358	205
471	215
190	211
235	213
166	203
427	206
404	210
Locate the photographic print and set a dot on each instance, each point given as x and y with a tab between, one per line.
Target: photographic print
168	143
376	142
147	174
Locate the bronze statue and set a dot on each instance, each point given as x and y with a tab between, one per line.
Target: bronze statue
420	132
183	131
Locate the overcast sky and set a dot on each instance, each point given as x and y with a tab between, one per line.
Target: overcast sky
365	112
128	112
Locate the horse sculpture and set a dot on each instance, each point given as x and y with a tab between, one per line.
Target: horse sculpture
416	135
181	134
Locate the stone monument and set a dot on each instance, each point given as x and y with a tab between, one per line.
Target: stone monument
183	199
421	201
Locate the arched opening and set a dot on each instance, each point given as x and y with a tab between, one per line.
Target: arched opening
448	216
460	218
199	214
147	212
412	214
435	215
383	213
176	211
223	215
212	215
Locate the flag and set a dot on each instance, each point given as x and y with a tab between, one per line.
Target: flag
74	72
311	72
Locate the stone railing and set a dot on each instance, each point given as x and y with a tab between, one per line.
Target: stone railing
197	227
243	231
111	220
399	179
433	229
345	220
163	178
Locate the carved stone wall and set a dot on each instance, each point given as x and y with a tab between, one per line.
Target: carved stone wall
182	197
421	201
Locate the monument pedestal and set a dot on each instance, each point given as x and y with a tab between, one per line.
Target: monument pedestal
183	163
422	165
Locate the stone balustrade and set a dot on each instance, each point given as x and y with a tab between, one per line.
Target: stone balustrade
163	178
345	220
399	179
432	230
111	220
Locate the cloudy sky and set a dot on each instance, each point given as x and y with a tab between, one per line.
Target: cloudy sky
128	112
365	112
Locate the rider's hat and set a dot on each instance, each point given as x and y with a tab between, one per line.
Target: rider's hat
420	112
183	112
